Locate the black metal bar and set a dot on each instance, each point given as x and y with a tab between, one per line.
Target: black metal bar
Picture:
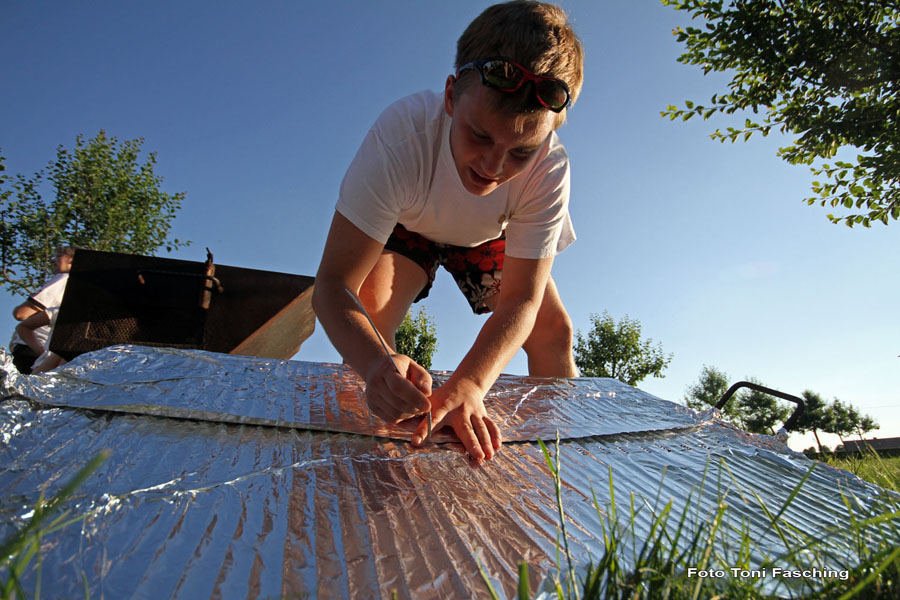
792	420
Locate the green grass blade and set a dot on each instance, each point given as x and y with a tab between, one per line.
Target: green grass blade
893	556
20	548
87	591
524	589
554	469
484	577
12	544
795	492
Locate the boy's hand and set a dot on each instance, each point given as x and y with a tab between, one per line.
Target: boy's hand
461	406
394	396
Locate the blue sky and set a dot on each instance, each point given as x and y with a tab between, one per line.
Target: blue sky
256	110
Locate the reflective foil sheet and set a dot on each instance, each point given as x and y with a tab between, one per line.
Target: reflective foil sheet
241	477
240	389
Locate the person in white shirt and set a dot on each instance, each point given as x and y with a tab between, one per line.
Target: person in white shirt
473	179
32	335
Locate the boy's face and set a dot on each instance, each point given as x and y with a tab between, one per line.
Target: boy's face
487	148
62	263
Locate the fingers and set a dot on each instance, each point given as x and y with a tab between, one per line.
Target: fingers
437	421
476	437
420	377
391	396
479	425
494	431
395	397
479	435
407	396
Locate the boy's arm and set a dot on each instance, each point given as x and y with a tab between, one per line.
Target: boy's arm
348	257
26	328
460	402
24	310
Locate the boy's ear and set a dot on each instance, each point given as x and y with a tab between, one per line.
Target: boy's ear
448	95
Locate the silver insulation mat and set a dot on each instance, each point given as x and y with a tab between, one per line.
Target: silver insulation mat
240	389
332	503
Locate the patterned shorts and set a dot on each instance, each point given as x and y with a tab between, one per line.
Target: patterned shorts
477	270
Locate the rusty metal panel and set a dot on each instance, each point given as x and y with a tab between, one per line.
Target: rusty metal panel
114	298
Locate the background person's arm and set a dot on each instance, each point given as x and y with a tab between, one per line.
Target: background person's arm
24	310
26	328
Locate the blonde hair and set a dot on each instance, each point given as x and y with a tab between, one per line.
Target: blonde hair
64	251
534	34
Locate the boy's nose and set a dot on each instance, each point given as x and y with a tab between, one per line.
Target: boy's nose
492	164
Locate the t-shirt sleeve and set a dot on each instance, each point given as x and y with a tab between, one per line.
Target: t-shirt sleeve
541	213
50	296
376	187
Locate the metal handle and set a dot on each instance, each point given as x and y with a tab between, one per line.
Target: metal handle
792	420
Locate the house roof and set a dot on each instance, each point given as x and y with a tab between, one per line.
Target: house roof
873	444
237	476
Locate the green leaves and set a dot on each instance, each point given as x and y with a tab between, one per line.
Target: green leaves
827	71
416	338
761	412
615	350
103	199
710	387
751	410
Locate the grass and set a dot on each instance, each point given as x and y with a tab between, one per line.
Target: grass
872	467
654	564
19	549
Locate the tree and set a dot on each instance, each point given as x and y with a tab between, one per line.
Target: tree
615	350
760	411
865	425
709	389
104	199
827	71
752	411
416	338
842	419
814	417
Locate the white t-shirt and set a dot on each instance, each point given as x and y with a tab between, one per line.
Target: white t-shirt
404	173
48	298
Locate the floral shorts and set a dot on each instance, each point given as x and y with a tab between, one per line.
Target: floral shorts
477	270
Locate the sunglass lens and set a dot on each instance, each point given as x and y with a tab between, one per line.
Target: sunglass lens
501	74
552	94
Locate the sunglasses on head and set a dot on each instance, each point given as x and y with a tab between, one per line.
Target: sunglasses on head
504	75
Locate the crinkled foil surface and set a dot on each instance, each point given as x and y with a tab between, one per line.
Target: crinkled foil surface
242	477
324	397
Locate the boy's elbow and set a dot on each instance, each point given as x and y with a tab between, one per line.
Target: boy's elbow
22	312
322	295
317	297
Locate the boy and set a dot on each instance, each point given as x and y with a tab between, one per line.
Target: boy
32	335
473	179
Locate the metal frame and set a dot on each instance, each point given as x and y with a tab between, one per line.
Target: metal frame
792	420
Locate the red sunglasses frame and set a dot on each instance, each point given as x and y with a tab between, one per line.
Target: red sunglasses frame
527	75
